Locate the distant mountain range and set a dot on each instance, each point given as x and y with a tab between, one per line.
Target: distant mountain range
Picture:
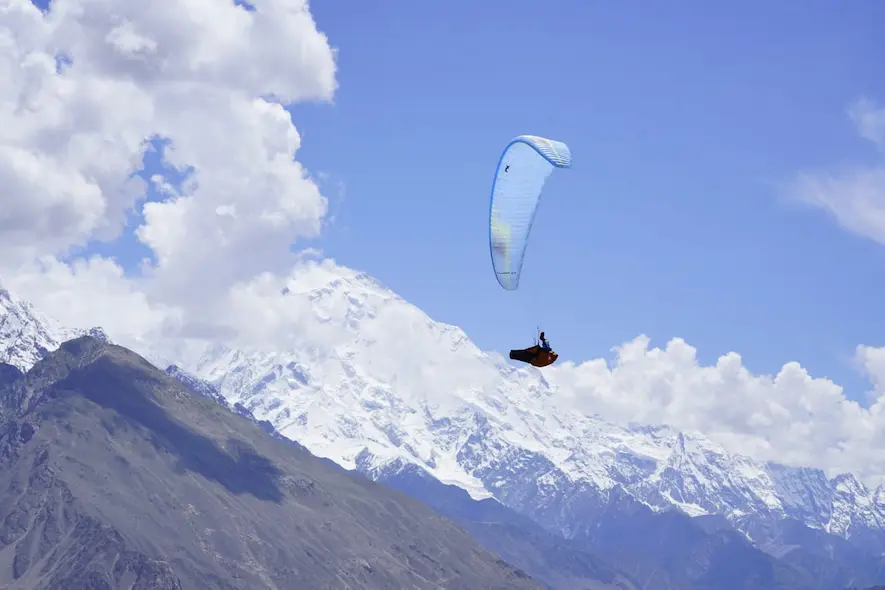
484	443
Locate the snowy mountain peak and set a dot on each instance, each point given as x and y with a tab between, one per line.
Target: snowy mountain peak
25	335
365	310
400	387
375	384
316	277
97	333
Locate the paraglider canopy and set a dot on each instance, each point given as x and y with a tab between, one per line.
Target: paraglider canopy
523	168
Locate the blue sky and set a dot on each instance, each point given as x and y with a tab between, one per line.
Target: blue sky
685	121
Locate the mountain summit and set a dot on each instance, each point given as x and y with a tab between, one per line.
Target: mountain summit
26	335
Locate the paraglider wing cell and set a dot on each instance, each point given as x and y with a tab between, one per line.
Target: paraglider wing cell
523	168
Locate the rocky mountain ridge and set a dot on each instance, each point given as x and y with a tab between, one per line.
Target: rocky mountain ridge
114	475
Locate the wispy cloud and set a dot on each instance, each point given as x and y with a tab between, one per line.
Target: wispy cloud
870	121
854	196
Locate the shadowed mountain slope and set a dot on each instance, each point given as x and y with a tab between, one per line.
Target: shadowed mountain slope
114	475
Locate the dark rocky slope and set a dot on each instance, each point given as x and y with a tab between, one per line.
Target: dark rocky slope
114	475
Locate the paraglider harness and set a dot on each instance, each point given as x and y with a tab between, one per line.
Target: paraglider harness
539	355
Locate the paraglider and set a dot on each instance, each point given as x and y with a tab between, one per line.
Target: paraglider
539	355
523	168
534	355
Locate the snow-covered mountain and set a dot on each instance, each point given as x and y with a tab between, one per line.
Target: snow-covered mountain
26	335
387	385
392	384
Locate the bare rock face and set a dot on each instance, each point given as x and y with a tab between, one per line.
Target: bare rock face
114	475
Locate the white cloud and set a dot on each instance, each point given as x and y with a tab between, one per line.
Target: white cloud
855	197
194	72
870	121
198	74
93	292
790	417
249	205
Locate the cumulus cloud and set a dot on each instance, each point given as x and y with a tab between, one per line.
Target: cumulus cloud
90	84
790	417
89	292
855	196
